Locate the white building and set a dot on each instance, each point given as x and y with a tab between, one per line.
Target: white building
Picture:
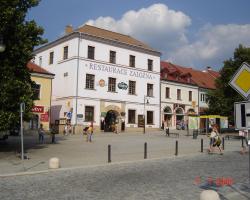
104	77
179	96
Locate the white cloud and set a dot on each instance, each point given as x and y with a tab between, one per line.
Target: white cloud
213	45
165	30
157	25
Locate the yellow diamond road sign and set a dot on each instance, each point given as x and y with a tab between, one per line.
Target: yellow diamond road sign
241	80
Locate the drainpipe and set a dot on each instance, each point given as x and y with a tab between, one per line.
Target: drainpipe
77	76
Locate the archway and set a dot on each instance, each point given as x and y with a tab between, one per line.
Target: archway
180	124
191	111
167	116
110	120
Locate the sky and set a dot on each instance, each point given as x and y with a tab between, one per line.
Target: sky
192	33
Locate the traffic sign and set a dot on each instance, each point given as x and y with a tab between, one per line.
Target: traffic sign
242	115
241	80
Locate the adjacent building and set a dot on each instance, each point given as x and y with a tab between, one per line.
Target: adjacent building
103	77
183	92
43	87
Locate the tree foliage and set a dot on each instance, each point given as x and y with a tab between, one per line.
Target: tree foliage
20	37
221	101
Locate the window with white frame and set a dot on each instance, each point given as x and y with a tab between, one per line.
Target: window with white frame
90	81
89	113
131	87
112	84
150	88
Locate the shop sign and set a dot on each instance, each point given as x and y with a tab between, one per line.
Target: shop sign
38	109
122	86
44	117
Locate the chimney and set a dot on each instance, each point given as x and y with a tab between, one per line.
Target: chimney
209	68
68	29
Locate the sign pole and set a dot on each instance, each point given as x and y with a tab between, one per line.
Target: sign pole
22	107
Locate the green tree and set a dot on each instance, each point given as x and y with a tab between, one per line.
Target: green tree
20	37
221	101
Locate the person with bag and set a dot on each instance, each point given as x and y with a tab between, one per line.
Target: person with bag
90	133
215	139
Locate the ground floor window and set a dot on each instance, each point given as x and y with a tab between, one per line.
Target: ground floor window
131	116
150	117
34	122
89	113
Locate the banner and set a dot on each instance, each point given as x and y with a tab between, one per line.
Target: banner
193	122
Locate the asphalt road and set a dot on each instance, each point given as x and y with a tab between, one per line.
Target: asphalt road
171	178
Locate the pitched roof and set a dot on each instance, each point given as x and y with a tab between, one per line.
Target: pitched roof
204	79
33	68
110	35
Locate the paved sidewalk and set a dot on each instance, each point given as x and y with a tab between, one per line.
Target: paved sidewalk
74	151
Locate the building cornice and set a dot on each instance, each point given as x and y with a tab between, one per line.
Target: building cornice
96	39
41	75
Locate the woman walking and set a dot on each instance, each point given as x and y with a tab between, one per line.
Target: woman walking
215	139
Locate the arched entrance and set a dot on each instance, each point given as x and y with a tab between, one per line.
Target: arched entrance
168	116
180	124
110	121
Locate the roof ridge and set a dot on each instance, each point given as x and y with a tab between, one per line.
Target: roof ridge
105	30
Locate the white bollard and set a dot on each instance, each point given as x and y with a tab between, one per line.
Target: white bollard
209	195
54	163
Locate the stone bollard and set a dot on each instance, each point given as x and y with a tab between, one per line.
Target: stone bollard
54	163
209	195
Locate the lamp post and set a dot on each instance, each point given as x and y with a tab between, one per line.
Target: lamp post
144	126
2	45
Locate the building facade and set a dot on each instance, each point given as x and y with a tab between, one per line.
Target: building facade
103	77
179	96
42	104
184	93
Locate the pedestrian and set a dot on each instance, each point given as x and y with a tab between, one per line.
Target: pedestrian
41	134
214	139
90	133
53	134
244	137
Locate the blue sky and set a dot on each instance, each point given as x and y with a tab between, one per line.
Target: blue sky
194	33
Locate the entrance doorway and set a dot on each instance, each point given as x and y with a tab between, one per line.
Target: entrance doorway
34	122
110	121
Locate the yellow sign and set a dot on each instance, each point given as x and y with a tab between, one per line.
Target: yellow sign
241	81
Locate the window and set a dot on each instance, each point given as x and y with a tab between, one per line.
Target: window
51	57
40	60
203	97
190	95
89	113
178	94
65	52
112	84
131	61
90	81
150	65
36	91
167	92
150	117
91	52
149	90
112	57
131	87
131	116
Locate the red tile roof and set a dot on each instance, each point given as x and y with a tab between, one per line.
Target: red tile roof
37	69
204	79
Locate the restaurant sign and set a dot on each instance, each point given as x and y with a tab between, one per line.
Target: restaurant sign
37	109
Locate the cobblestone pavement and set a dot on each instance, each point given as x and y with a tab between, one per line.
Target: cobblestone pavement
178	178
74	151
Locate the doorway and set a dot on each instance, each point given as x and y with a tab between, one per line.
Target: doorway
110	121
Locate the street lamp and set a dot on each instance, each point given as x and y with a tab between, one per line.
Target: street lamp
145	102
2	46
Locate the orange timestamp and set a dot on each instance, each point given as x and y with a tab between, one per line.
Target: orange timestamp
218	181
